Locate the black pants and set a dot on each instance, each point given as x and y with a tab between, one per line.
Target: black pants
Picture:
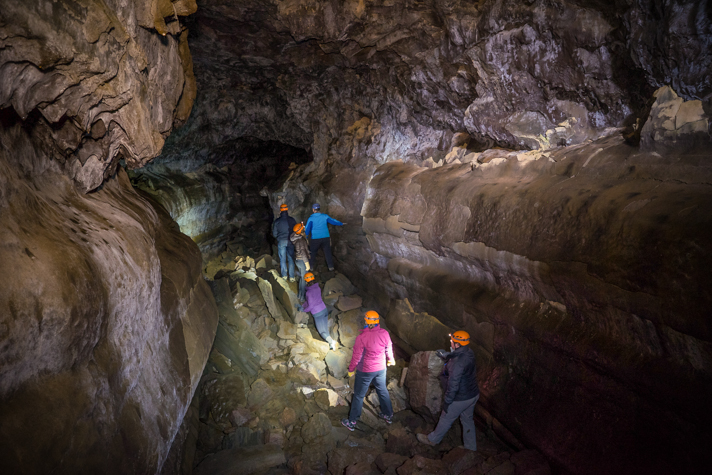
315	245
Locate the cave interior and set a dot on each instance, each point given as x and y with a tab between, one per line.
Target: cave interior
536	173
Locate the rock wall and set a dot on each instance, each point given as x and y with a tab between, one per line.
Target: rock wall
105	320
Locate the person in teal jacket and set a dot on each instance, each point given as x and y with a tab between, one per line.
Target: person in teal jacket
317	226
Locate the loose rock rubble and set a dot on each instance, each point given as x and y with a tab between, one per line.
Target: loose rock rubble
273	393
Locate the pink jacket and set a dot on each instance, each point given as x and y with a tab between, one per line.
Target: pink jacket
371	349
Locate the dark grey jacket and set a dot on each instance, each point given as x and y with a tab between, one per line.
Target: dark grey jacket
461	373
282	227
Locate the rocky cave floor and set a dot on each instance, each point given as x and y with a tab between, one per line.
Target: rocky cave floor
283	415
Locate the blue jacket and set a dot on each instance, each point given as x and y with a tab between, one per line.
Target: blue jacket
282	227
317	225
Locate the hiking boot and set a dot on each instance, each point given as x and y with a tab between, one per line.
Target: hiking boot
388	419
423	439
348	424
331	269
333	345
292	279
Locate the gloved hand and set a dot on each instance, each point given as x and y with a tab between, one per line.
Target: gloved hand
351	374
441	353
391	363
445	406
300	308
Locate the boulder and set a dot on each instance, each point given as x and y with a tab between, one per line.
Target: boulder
460	459
242	461
239	416
361	468
222	394
284	294
340	283
307	370
389	460
326	398
288	417
235	340
260	393
350	325
673	124
425	392
274	307
397	395
350	302
420	464
338	362
343	457
420	331
401	441
287	330
318	426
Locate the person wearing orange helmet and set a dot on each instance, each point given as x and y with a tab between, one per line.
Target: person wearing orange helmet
301	251
461	393
373	351
282	230
316	306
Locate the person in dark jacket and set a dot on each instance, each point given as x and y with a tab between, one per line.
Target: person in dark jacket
318	229
281	230
301	251
461	393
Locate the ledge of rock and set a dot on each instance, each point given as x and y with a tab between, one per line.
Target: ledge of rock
106	321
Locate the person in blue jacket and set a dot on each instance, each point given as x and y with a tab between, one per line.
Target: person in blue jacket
281	230
317	226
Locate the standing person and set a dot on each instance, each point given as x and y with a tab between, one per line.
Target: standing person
316	306
301	250
373	350
317	226
461	394
281	230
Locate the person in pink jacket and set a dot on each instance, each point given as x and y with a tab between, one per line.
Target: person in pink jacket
373	351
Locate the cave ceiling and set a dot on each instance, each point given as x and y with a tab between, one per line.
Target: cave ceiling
505	72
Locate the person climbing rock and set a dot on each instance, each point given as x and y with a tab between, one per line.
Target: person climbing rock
315	305
301	251
461	393
281	230
373	351
317	227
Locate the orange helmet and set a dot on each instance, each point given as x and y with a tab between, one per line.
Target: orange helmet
461	337
284	207
308	277
372	317
298	228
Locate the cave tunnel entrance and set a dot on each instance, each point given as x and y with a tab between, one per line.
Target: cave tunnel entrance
216	195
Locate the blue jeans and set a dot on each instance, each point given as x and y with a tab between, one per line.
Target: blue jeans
284	256
302	266
363	381
321	322
465	411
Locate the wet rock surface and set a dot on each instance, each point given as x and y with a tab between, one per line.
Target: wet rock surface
293	421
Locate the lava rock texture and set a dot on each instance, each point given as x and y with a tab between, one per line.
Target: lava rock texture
577	259
105	320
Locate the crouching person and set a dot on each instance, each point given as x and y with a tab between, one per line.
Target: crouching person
373	350
461	394
316	306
